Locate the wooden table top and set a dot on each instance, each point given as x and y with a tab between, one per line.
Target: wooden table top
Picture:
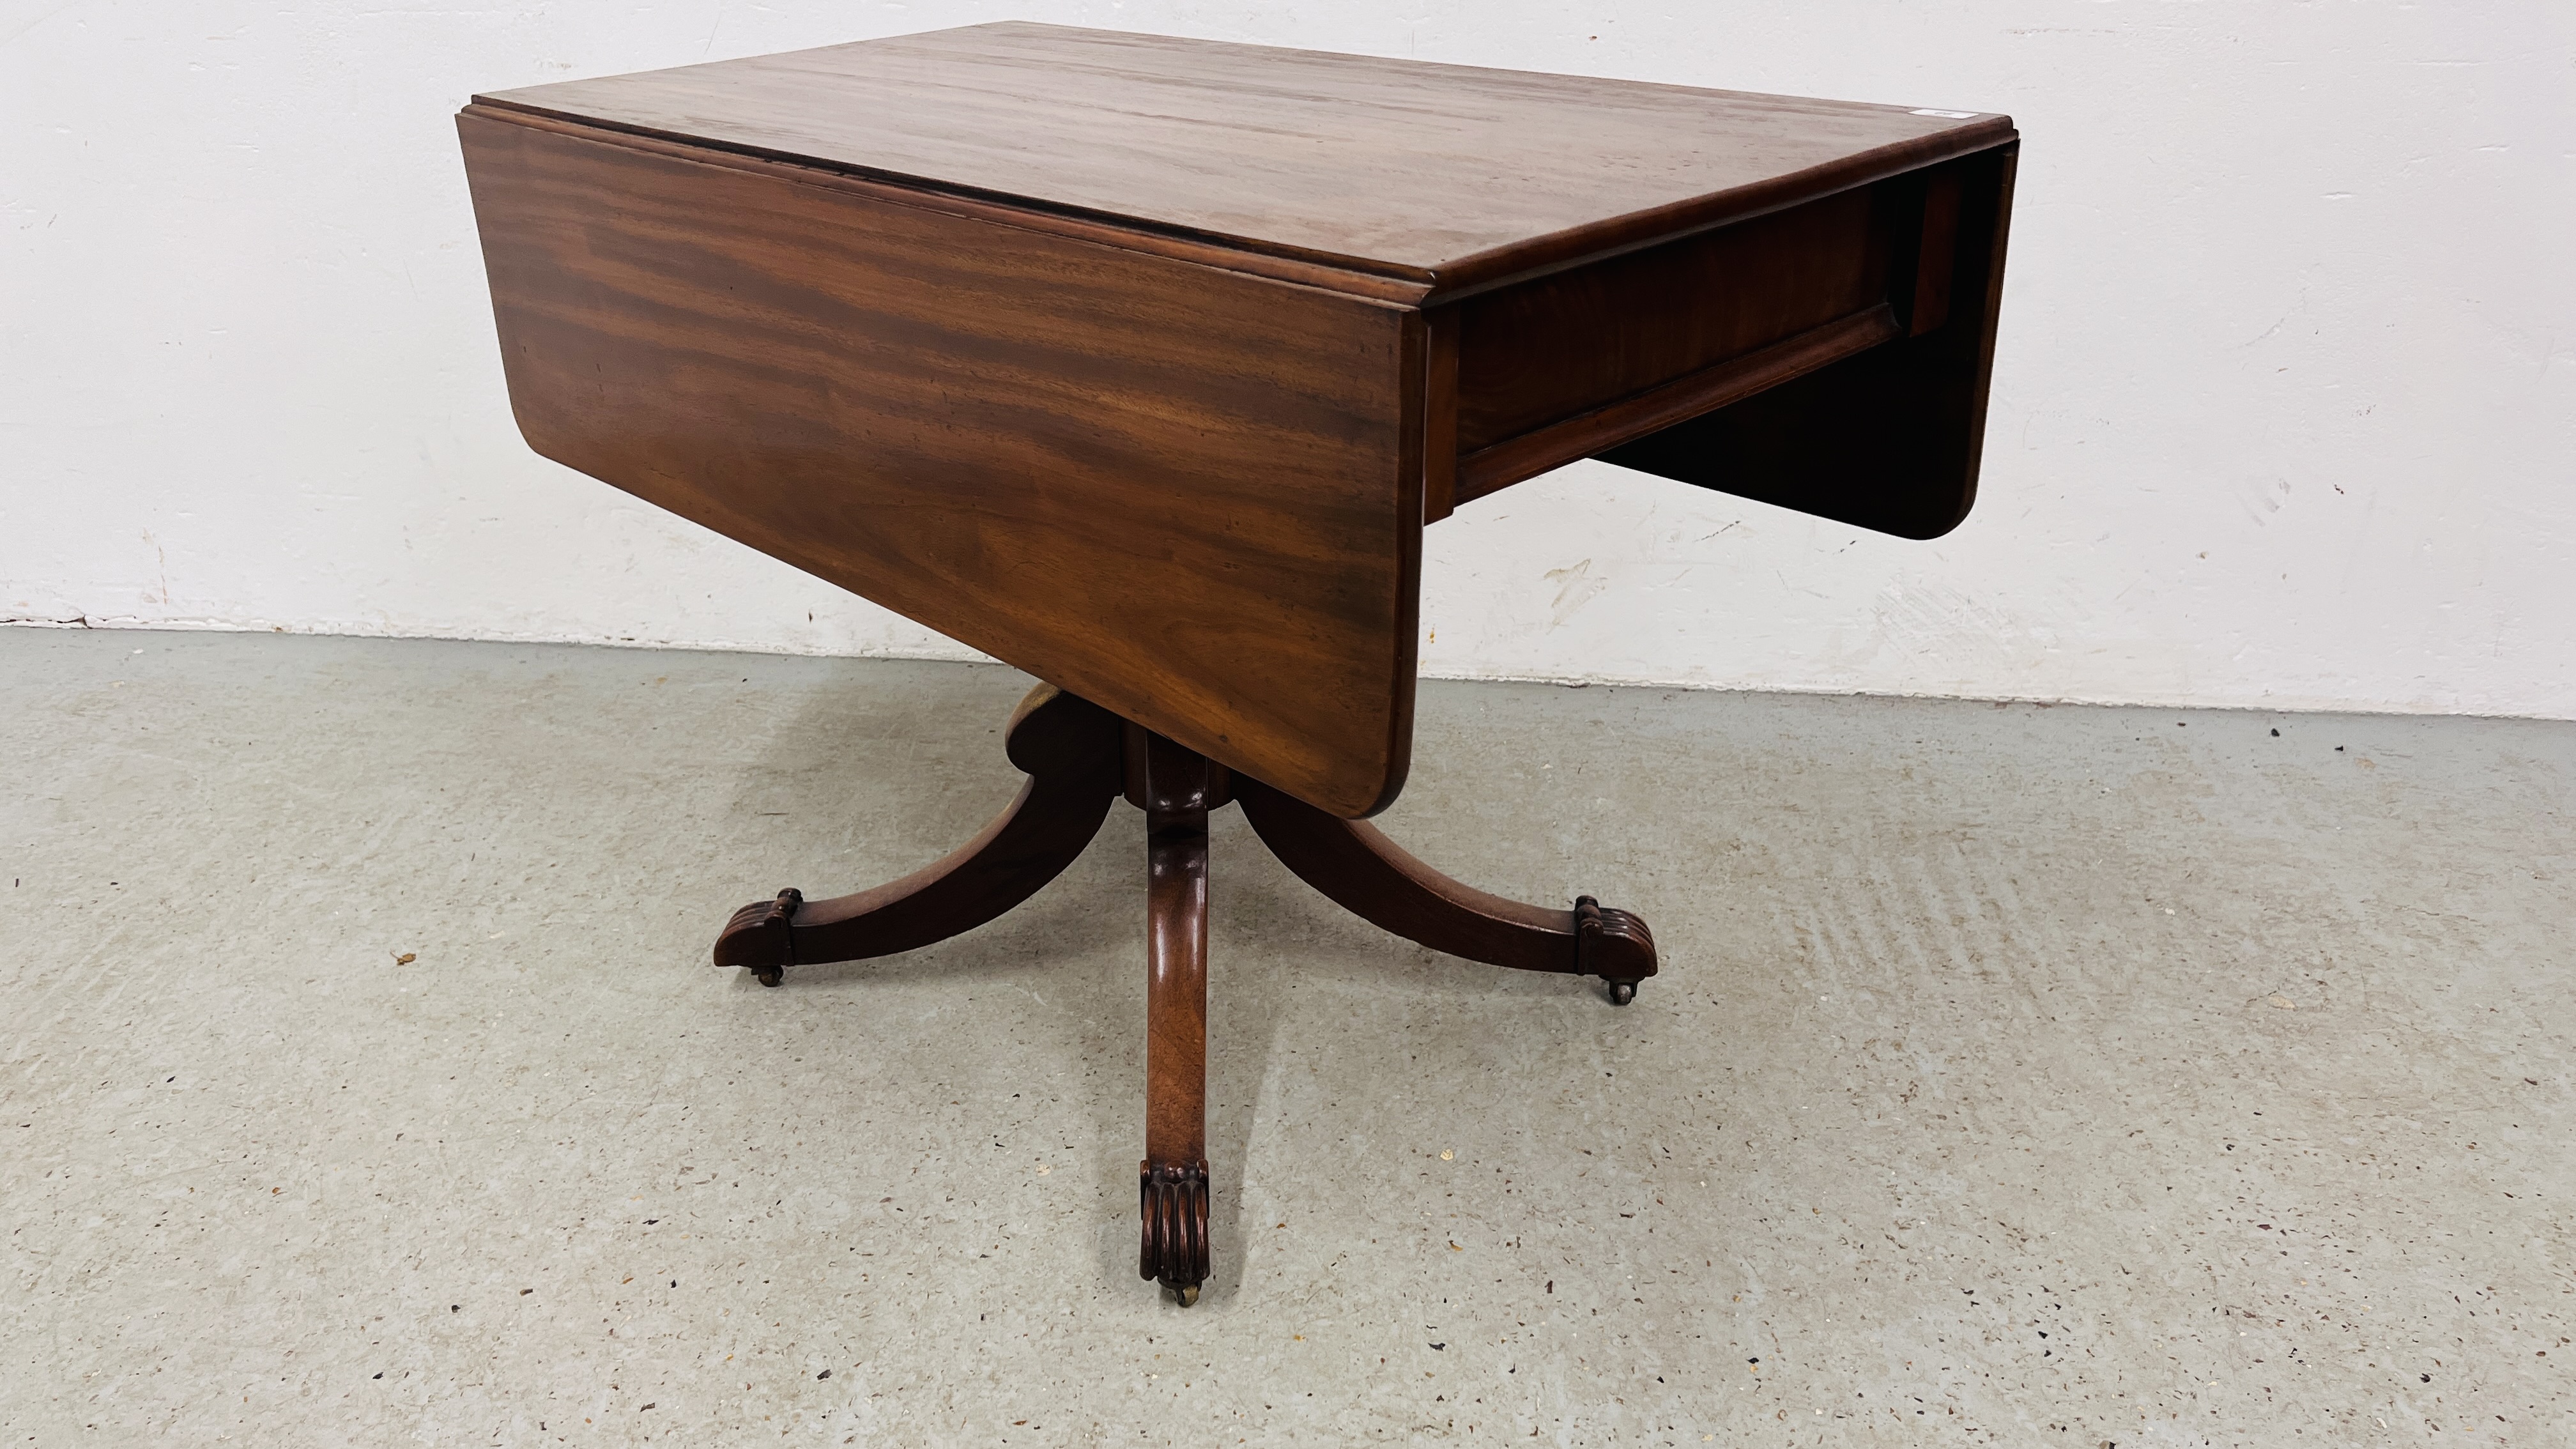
1442	174
1143	363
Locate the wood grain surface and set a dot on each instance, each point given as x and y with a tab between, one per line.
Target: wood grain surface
1451	175
1189	494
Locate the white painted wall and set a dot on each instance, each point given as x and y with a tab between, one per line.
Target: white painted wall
2285	413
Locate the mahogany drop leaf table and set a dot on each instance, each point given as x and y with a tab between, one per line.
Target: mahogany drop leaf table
1143	363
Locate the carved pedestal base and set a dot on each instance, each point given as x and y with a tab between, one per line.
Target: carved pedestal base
1079	759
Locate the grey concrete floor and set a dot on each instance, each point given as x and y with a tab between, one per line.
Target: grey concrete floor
2018	1075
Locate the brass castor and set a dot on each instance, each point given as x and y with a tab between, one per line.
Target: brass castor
1185	1293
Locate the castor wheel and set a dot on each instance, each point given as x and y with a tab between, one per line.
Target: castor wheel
1613	945
1184	1293
761	936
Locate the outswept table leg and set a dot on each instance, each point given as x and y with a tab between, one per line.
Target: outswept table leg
1070	749
1172	1182
1372	877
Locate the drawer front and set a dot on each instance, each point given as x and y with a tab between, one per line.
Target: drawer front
1549	349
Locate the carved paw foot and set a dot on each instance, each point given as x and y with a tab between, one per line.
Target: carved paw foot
1614	946
758	937
1175	1204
